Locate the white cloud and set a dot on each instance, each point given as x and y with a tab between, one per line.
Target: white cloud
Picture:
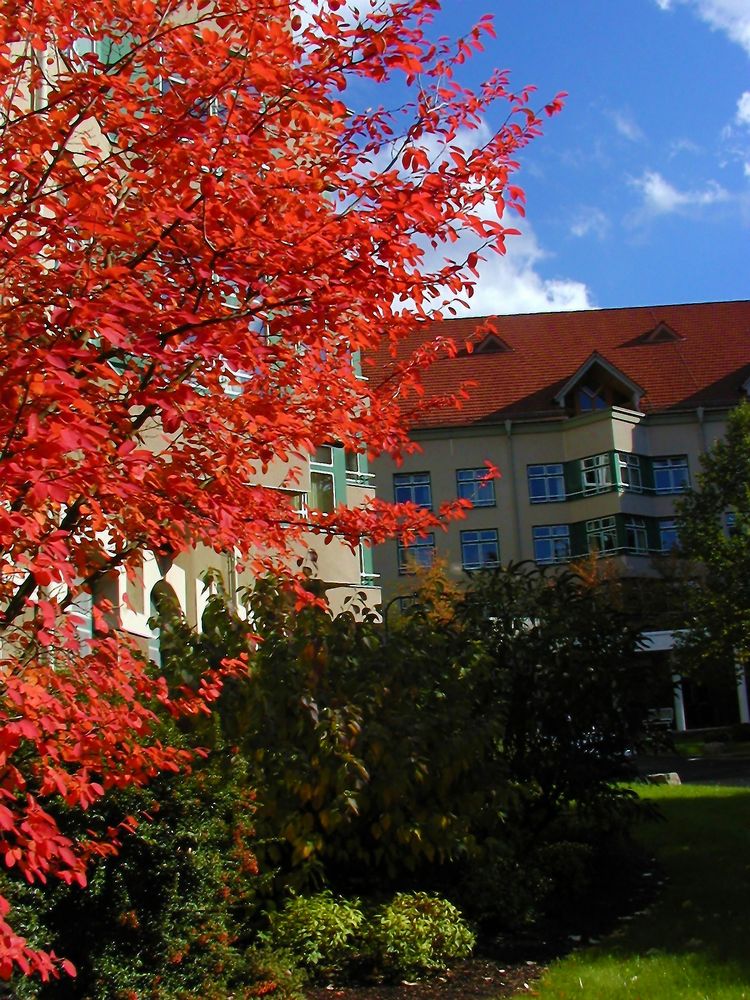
591	221
662	198
683	145
512	283
353	11
743	109
729	16
627	126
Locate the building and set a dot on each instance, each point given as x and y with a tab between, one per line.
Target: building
331	478
596	421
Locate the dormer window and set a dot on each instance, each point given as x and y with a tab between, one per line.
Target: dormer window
596	386
492	344
588	399
662	334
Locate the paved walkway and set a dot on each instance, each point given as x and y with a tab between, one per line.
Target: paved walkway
713	770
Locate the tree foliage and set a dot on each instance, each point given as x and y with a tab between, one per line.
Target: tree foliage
714	524
196	233
383	757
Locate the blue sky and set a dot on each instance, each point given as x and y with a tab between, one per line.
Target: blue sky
639	191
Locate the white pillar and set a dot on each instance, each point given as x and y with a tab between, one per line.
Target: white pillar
742	692
679	704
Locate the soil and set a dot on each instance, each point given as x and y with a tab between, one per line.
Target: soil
474	979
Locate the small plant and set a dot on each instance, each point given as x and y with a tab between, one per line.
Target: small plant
320	932
417	933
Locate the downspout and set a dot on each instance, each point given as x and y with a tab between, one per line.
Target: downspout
700	414
514	489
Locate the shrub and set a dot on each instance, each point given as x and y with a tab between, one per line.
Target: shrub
417	933
321	933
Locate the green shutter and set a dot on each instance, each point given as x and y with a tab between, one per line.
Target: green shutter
620	531
572	474
652	533
647	473
578	541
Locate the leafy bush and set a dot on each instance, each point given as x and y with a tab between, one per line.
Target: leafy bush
321	933
417	933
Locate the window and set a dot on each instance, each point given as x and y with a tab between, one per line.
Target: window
668	534
418	554
323	455
322	492
730	523
601	534
480	549
629	471
636	539
413	487
589	398
551	543
546	483
595	474
474	485
356	469
671	474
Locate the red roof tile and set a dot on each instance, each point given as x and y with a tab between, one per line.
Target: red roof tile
705	364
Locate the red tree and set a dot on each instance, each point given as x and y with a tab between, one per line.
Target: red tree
186	196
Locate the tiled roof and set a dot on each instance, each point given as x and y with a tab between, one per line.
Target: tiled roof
683	356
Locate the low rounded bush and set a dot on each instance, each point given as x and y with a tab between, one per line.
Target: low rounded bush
321	933
417	933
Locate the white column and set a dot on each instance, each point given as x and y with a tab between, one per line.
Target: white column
679	704
742	692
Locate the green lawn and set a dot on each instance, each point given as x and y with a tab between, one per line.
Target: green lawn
693	943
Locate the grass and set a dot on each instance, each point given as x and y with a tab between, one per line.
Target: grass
693	943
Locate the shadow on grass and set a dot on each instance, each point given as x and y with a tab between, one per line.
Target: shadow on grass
703	849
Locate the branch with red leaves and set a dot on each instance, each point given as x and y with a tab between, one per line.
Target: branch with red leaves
196	237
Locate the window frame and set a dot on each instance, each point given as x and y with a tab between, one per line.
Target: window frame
671	464
480	479
562	532
668	525
410	484
310	493
596	527
546	477
601	468
635	527
478	564
412	552
628	463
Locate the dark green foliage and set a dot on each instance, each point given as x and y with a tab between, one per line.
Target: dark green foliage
719	595
165	917
576	693
381	758
371	759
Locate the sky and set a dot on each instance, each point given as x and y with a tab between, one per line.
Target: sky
638	193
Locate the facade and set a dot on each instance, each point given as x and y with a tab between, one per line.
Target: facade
596	421
331	478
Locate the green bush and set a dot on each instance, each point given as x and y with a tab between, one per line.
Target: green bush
417	933
321	933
